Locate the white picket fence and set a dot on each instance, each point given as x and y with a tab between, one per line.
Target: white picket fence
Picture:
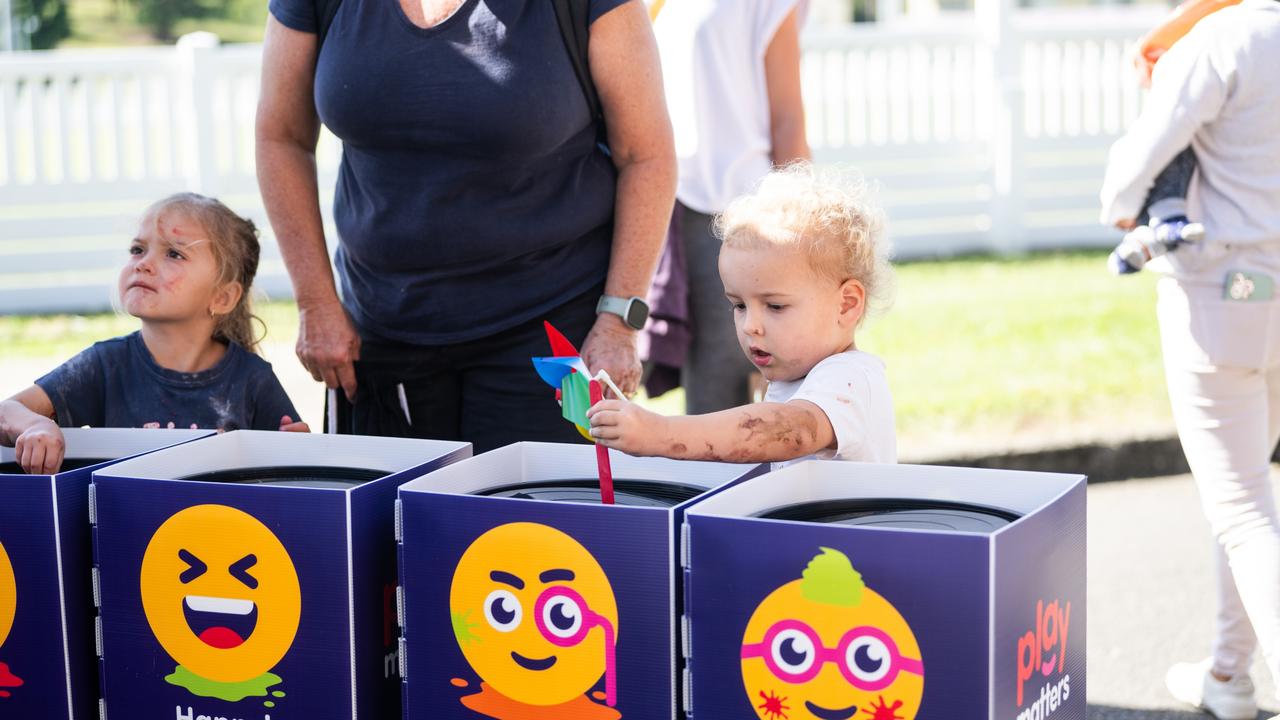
979	145
979	140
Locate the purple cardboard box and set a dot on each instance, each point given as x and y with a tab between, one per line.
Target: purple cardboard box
888	592
47	667
537	601
252	575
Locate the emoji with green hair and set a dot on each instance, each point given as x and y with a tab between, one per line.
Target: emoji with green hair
828	647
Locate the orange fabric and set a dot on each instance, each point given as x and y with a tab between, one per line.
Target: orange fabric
1163	36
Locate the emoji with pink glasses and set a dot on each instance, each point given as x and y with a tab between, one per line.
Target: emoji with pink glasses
828	647
535	616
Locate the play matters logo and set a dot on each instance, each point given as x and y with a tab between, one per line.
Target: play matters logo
1043	683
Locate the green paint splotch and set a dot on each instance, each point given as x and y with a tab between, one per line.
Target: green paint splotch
830	579
231	692
462	627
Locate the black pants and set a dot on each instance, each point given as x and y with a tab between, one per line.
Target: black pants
484	391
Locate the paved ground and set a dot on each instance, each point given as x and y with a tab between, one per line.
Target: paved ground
1151	597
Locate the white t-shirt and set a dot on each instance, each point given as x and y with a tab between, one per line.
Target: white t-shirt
713	69
851	388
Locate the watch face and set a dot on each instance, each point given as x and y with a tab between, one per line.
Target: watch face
637	314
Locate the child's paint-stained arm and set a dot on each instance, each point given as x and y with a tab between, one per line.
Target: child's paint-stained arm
760	432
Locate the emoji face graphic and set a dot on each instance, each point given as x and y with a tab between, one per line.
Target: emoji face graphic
8	595
220	593
828	647
8	606
534	615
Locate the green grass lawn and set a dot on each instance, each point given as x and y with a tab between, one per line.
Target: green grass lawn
113	23
1024	349
983	353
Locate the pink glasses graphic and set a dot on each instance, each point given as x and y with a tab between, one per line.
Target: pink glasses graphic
867	657
564	619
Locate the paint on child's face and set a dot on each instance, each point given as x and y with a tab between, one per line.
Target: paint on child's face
787	316
171	273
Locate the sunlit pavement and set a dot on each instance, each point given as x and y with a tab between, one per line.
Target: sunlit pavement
1151	597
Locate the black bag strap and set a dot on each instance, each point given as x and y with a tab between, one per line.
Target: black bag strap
326	10
575	30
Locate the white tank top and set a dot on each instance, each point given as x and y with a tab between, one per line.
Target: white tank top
713	68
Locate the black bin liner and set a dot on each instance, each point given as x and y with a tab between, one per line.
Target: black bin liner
308	476
13	468
631	493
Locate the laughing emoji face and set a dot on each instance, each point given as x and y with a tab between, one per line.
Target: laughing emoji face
535	615
220	593
828	647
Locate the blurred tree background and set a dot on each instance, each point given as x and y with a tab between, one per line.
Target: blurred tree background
162	16
46	24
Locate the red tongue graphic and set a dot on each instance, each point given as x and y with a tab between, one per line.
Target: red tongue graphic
221	638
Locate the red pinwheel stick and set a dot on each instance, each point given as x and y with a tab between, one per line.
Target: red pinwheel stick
602	453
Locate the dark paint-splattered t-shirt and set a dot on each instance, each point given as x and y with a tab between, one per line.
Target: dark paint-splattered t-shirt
116	383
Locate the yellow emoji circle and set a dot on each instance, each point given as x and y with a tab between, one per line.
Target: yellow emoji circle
8	595
827	646
220	593
534	614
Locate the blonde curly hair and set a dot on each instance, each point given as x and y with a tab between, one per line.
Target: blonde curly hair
826	213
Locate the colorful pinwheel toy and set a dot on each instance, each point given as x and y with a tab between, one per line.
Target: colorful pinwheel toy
577	391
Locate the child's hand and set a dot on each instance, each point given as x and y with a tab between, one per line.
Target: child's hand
288	425
39	449
625	426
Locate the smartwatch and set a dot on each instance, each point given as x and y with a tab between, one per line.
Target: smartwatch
633	310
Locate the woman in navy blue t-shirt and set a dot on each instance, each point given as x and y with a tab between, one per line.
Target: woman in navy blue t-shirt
473	202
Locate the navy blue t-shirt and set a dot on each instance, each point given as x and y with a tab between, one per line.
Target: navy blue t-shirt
472	196
116	383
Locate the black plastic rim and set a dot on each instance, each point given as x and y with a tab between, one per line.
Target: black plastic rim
13	468
631	493
313	476
897	512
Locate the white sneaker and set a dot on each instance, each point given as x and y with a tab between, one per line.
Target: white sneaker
1193	684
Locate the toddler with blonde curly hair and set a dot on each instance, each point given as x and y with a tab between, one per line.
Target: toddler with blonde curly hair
801	258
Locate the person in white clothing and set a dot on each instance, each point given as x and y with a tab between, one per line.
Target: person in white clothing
1219	318
802	258
731	70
